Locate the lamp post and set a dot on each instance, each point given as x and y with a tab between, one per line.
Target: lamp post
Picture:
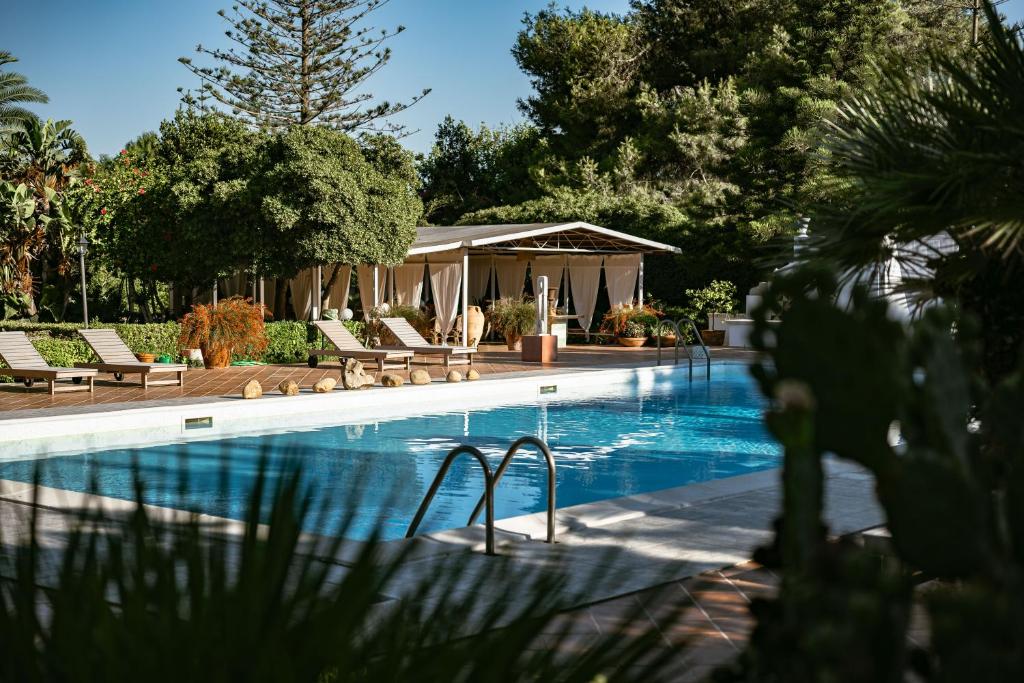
83	247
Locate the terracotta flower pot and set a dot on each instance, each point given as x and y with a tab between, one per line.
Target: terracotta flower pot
631	342
667	341
475	322
216	358
146	357
514	342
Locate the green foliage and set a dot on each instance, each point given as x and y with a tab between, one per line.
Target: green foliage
513	317
469	170
198	220
305	63
126	593
327	199
14	91
927	153
62	353
718	297
287	341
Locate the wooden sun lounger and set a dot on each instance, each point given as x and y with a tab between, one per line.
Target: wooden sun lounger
412	340
26	365
347	346
116	357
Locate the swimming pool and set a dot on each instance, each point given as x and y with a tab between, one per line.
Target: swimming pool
618	442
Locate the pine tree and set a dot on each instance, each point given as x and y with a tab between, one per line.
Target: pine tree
302	62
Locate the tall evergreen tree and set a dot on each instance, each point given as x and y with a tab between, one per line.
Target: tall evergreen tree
302	62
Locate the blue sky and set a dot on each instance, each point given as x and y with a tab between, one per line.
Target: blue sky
111	65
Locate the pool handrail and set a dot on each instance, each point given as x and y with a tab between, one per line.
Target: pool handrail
679	339
700	340
513	449
679	336
488	494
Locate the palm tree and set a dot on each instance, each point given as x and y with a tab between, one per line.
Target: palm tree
14	89
938	155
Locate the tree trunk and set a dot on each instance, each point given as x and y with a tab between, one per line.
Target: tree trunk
330	283
280	297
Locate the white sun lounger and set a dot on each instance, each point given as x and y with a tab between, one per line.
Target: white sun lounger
116	357
412	340
25	364
347	346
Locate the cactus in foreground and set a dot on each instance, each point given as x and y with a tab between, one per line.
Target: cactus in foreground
947	455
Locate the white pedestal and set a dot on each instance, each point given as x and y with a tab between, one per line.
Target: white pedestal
561	332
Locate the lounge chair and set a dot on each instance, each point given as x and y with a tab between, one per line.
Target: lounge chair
412	340
25	364
116	357
347	346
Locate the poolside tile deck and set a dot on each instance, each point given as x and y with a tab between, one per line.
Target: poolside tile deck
491	360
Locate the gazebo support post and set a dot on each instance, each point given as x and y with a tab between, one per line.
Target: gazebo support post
316	292
465	297
214	292
640	279
376	286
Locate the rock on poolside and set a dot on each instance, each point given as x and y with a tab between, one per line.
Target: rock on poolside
353	376
289	387
419	376
453	376
472	374
325	385
391	380
252	389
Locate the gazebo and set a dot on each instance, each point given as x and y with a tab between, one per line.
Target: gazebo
473	262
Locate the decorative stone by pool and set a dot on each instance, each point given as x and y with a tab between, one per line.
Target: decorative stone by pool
390	380
289	388
419	376
252	389
472	374
453	376
354	377
325	385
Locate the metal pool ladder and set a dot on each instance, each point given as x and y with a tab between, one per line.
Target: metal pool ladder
491	480
679	340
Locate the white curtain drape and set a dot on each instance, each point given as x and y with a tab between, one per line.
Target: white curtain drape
269	294
585	278
409	284
620	272
551	266
337	296
511	275
301	287
446	283
366	298
479	277
232	286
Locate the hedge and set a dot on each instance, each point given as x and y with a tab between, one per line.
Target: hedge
60	345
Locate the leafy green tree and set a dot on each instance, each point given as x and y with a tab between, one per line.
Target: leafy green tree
199	218
468	170
326	199
15	91
583	67
301	62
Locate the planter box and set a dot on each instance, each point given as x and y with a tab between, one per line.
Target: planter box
713	337
540	348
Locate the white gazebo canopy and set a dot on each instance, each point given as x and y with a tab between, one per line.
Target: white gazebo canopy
474	256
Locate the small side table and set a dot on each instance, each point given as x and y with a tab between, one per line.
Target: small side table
540	348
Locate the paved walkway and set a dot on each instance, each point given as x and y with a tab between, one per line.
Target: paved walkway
492	359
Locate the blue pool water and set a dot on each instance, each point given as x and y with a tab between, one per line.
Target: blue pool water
622	443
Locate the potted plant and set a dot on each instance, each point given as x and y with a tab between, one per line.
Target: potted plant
718	298
513	317
232	327
633	333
